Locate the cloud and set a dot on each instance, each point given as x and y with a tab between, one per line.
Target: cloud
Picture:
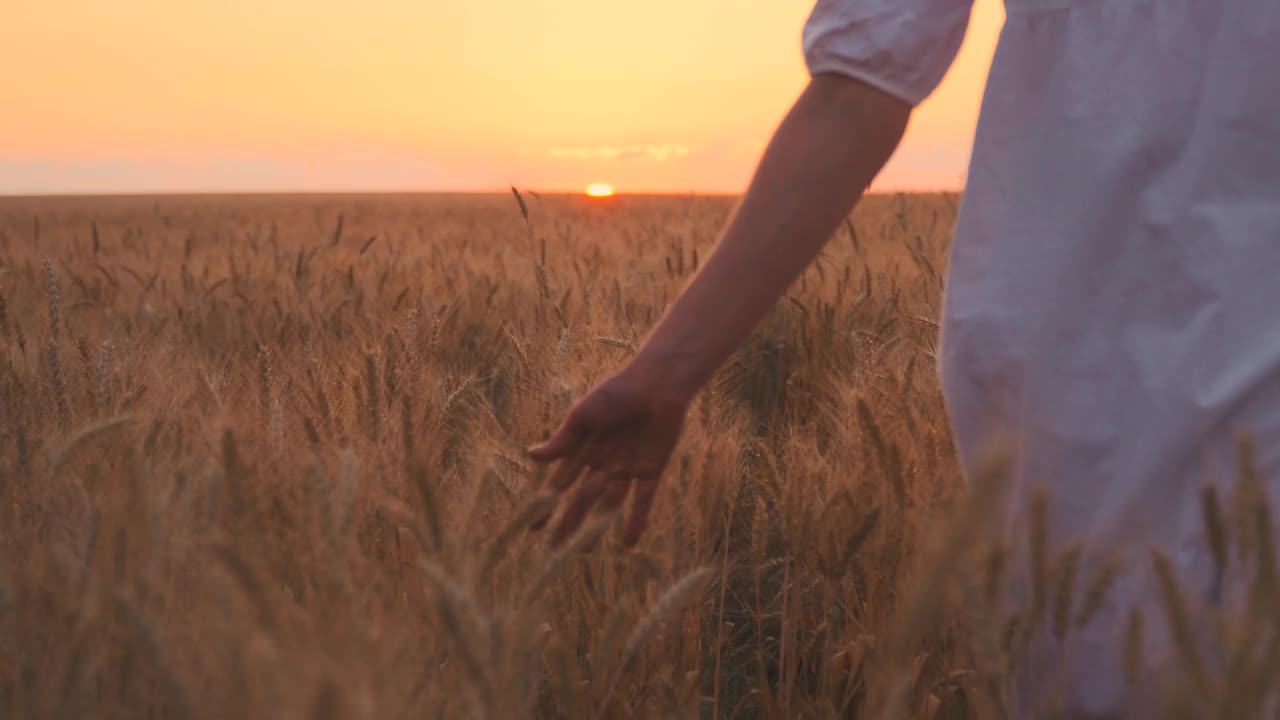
655	153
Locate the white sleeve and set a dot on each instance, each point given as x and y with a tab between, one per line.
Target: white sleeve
902	47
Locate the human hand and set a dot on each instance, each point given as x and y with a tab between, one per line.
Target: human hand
621	436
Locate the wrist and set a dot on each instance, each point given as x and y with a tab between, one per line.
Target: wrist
673	378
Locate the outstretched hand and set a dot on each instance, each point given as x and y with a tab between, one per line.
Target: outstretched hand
831	145
615	440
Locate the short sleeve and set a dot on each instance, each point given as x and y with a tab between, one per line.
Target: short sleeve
903	47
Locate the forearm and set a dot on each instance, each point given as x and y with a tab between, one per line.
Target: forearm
831	145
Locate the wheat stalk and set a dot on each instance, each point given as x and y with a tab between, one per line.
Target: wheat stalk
55	301
59	387
1064	591
1133	647
83	437
681	592
373	403
1215	528
1096	592
1179	617
1039	541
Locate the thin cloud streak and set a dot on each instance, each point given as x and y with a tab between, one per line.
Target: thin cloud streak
655	153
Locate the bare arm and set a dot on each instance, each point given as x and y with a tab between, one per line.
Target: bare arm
834	141
824	154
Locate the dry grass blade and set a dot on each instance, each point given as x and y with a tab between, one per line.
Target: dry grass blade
328	702
524	209
83	437
1134	638
1266	582
532	511
860	536
680	593
104	374
178	705
926	596
59	382
1064	593
264	384
993	571
1179	617
1096	592
853	237
616	342
336	239
55	301
886	455
430	506
1214	526
248	581
460	614
684	589
561	559
1039	543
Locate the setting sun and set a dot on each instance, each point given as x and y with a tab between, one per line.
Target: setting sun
599	190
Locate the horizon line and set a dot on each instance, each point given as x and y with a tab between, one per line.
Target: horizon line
495	192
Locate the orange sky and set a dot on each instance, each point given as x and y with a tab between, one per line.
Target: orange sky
246	95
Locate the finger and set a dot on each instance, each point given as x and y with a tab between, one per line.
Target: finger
620	480
615	493
583	500
589	456
542	520
565	475
568	471
641	504
571	434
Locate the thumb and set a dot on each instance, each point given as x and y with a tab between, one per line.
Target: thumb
561	443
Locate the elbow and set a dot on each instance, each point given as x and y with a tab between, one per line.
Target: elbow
874	111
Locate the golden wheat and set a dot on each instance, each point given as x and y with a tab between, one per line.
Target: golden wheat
287	479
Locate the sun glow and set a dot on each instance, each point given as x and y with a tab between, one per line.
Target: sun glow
599	190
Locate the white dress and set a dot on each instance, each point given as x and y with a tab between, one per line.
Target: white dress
1113	296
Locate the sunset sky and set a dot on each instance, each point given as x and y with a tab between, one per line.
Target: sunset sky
471	95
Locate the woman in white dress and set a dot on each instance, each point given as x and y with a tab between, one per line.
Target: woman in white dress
1113	297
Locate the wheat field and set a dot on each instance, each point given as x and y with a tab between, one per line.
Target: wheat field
263	457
